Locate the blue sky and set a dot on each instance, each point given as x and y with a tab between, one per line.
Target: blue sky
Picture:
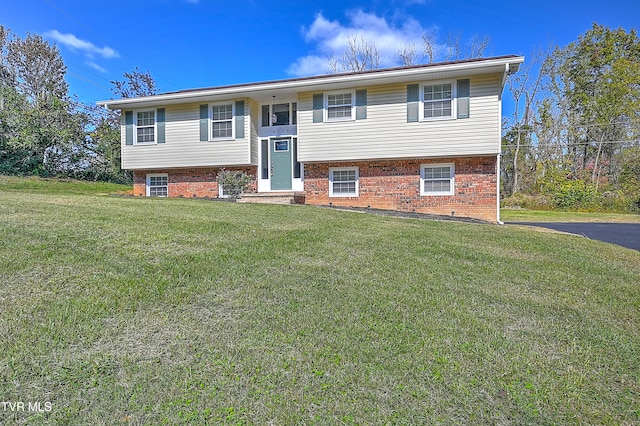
203	43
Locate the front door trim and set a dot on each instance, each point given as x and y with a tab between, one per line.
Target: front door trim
281	164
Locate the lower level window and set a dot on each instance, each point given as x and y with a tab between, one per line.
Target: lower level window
437	179
222	192
158	185
343	182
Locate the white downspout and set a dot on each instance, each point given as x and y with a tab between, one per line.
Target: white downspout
504	80
498	188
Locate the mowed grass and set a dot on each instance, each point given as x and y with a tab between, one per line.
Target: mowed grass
59	186
124	310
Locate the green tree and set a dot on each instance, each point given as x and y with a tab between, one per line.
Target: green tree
36	116
104	134
596	83
135	84
105	126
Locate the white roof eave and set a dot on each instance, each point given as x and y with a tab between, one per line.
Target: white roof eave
326	82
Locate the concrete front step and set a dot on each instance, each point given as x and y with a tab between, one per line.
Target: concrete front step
273	198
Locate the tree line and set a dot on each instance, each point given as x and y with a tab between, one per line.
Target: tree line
573	141
44	131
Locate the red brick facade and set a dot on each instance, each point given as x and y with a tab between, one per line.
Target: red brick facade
395	185
390	185
189	183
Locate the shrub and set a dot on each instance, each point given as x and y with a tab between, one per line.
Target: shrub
574	193
528	201
233	182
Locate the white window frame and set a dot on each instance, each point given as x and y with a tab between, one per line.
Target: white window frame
136	126
423	102
148	183
452	180
344	194
340	92
233	121
221	193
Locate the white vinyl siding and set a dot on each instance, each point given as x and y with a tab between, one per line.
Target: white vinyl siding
437	179
343	182
386	134
158	185
183	147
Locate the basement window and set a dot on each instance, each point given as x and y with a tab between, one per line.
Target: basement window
158	185
437	179
343	182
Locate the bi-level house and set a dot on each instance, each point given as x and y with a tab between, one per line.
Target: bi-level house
423	138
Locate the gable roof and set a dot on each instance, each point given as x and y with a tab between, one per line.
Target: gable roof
264	91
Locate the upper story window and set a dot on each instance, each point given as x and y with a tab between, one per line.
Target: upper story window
283	114
340	105
145	127
222	121
437	100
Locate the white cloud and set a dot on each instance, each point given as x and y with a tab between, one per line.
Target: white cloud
88	48
330	38
310	65
95	66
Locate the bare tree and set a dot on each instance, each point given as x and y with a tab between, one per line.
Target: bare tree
332	61
360	55
430	48
406	56
524	87
479	46
454	48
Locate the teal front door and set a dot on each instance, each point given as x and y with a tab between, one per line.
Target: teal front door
281	164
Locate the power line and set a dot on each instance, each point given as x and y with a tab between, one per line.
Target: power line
88	80
573	126
566	145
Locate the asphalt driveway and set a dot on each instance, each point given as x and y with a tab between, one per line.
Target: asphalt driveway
622	234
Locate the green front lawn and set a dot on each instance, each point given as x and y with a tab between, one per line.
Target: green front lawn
122	310
59	186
